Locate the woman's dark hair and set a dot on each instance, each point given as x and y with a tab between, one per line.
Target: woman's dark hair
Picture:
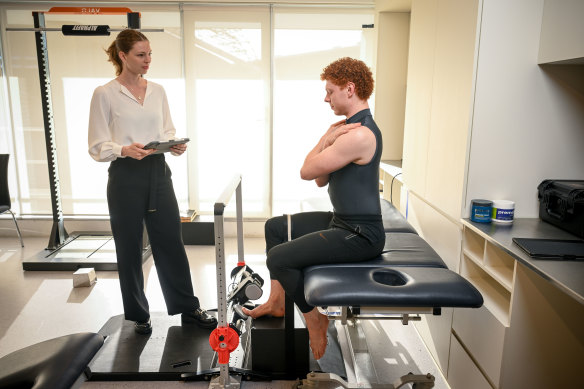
124	42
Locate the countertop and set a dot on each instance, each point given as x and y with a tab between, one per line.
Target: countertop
568	275
393	167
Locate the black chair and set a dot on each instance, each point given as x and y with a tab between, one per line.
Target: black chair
5	202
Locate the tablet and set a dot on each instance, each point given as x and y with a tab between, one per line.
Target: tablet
552	248
164	147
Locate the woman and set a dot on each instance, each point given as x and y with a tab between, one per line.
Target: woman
125	114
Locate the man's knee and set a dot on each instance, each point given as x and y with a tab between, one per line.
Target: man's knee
275	232
274	261
274	227
270	264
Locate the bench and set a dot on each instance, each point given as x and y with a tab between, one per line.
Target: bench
57	363
408	279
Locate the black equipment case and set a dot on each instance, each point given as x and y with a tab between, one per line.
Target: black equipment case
561	203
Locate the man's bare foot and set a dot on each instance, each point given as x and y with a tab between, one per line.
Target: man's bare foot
274	306
317	325
265	309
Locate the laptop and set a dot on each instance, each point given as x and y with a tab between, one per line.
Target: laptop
559	249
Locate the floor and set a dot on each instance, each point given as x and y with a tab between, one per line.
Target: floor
39	305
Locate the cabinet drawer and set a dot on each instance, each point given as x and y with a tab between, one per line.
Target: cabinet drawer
462	372
483	336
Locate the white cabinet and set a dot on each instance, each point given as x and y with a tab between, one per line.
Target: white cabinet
483	331
545	342
528	333
562	32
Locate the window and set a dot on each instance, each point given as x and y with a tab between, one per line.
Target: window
305	41
227	61
77	65
242	82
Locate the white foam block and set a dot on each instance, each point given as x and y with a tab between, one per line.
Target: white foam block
84	277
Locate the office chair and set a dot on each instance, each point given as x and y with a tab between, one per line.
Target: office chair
5	202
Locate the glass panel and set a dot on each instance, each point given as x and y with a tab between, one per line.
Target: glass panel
227	81
27	120
226	88
77	65
305	41
5	133
6	144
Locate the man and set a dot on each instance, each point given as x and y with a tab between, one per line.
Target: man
347	159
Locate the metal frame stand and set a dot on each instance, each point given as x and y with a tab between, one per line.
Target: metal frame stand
359	366
58	233
17	229
224	380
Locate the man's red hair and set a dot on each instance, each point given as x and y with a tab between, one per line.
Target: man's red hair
345	70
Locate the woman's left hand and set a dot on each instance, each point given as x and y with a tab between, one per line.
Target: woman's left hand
179	149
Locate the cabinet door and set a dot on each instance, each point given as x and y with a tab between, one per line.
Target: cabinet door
545	347
462	372
561	32
484	338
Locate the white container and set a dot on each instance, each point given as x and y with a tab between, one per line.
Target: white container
503	211
84	277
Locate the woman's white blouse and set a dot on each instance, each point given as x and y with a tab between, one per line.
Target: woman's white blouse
117	119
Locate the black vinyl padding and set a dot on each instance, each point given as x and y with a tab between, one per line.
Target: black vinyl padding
406	249
393	220
389	287
408	273
53	364
401	249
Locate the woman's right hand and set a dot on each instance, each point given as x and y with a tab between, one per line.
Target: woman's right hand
136	151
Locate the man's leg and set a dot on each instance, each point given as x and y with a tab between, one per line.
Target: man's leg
317	326
276	228
276	232
274	306
288	260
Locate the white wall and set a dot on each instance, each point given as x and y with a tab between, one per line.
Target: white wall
438	105
390	80
439	101
526	126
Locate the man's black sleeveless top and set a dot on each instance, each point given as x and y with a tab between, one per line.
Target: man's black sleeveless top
354	189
